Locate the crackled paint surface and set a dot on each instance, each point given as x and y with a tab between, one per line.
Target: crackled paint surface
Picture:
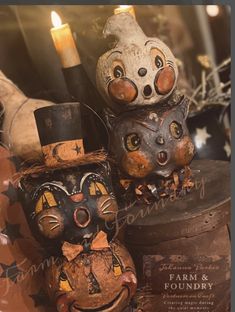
138	71
152	141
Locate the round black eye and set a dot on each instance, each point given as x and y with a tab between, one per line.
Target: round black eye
132	142
63	276
158	61
160	140
176	130
118	71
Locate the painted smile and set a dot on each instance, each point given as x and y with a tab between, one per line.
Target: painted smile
124	293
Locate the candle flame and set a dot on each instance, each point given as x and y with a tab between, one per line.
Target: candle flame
212	10
56	20
124	6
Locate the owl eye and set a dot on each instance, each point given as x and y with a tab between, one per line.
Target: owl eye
64	283
118	71
176	130
158	58
132	142
158	61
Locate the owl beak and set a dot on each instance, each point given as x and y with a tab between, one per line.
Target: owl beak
162	158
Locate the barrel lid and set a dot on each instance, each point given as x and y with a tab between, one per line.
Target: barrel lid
205	208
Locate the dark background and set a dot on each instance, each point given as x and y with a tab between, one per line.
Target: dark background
29	59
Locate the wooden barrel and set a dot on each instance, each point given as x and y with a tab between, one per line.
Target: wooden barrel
181	246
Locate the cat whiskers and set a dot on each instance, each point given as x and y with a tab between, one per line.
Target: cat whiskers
55	227
108	79
49	216
105	205
54	221
170	63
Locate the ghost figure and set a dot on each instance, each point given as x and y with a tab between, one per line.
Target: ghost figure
152	141
138	71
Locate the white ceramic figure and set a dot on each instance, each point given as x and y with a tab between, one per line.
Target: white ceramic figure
19	127
138	71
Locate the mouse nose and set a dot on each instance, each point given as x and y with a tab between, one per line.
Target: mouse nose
147	91
142	72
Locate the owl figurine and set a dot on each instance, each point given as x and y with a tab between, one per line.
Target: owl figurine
152	143
139	71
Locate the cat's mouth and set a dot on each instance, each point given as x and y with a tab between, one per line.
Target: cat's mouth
162	158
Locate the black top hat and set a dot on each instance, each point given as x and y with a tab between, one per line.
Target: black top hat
60	133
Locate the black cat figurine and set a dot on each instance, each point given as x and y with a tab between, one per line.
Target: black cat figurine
70	199
71	205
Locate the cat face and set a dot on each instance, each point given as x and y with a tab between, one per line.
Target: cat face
139	71
152	141
70	205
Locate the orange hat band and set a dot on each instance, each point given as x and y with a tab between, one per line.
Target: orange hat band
65	151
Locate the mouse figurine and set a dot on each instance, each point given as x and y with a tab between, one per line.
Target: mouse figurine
139	71
151	144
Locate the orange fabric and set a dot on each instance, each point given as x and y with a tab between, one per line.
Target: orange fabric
21	274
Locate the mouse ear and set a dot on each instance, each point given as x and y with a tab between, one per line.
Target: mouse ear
184	107
124	27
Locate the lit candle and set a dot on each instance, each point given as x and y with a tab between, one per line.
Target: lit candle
64	42
125	8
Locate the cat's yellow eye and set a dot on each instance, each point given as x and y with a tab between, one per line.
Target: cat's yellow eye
132	142
47	200
64	284
97	188
176	130
117	266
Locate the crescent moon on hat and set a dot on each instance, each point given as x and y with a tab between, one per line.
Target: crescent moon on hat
55	152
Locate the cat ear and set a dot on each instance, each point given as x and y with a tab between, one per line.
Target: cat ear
183	107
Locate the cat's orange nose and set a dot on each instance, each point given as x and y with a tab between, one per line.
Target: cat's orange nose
77	197
165	80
